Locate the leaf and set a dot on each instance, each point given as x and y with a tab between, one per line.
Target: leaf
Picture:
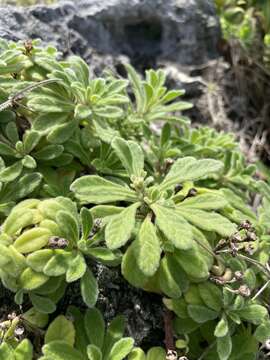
174	226
211	295
167	281
201	314
10	173
224	347
87	222
209	221
38	259
97	190
121	349
95	327
24	351
68	225
205	201
60	329
30	279
6	351
36	318
42	304
262	332
32	240
94	352
148	248
81	340
49	152
26	185
89	288
190	169
76	269
115	332
58	264
17	219
253	313
60	350
119	228
222	327
137	354
130	154
156	353
192	263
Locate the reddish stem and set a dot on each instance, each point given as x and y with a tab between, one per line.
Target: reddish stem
169	342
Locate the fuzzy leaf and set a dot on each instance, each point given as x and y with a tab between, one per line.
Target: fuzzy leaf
60	350
121	349
30	279
209	221
156	353
211	295
61	329
253	313
190	169
97	190
137	354
167	281
201	314
32	240
24	351
148	248
89	288
192	263
119	228
222	328
206	201
94	352
76	269
174	226
87	222
224	347
42	304
130	154
58	264
95	327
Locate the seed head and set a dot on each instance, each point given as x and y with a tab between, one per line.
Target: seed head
244	291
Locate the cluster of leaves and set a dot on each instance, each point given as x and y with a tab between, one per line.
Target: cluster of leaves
85	175
247	21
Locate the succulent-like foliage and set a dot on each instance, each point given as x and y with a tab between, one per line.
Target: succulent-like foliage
83	173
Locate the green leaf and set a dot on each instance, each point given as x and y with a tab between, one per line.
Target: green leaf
76	269
60	350
137	354
10	173
121	349
209	221
174	226
38	259
130	154
205	201
32	240
148	248
60	329
192	263
42	304
253	313
222	327
68	225
97	190
119	228
58	264
26	185
166	280
36	318
211	295
190	169
115	332
156	353
6	352
201	314
262	332
49	152
95	327
89	288
30	279
94	352
224	347
24	351
87	222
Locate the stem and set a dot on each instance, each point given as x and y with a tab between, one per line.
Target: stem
169	341
261	290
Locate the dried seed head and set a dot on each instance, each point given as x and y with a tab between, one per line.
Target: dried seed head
192	192
267	344
56	242
246	225
238	275
12	316
171	355
236	237
244	291
19	331
251	236
250	248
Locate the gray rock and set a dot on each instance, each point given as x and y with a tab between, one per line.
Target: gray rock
145	30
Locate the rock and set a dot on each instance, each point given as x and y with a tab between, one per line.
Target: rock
146	31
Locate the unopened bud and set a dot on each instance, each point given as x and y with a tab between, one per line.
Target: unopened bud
238	275
19	331
56	242
251	236
171	355
12	316
246	224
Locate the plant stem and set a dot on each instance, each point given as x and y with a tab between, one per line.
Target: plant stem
169	341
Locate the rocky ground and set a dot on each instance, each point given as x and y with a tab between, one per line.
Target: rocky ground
184	38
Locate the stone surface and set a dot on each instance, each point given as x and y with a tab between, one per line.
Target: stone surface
145	30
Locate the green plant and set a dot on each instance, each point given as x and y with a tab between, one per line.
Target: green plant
83	173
